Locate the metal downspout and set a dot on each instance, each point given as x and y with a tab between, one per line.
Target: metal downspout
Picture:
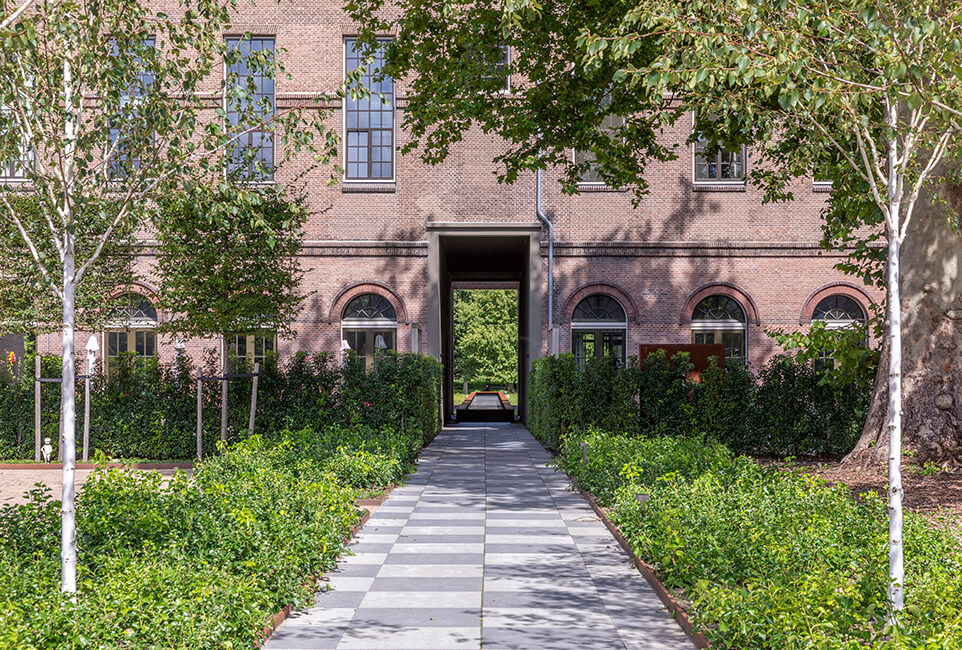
547	223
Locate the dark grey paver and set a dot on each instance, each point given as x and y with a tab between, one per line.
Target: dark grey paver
484	546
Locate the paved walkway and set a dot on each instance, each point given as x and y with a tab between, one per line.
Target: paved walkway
484	546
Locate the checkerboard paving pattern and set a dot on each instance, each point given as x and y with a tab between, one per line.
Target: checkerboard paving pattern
484	546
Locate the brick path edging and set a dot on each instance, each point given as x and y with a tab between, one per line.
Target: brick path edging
671	603
282	615
95	465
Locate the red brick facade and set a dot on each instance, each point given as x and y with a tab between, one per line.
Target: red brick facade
683	242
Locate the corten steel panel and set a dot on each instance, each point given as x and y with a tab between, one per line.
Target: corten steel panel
698	354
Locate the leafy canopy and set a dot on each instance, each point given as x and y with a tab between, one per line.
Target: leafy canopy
486	335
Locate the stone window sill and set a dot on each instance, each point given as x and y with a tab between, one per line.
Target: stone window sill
586	188
718	187
349	187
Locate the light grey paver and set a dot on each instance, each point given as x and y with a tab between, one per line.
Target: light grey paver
484	547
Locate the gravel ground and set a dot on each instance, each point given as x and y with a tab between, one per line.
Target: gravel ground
15	482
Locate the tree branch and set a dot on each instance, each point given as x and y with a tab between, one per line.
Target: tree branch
33	249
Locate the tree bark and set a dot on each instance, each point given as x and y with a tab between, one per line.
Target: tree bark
931	279
68	526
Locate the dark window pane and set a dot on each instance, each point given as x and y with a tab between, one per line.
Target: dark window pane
252	158
599	307
370	149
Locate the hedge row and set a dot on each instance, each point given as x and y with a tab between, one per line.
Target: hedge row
202	560
770	558
149	411
786	411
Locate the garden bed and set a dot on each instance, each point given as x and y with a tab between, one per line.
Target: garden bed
769	557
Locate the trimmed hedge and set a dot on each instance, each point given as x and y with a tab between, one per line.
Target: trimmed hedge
771	558
148	410
202	560
786	411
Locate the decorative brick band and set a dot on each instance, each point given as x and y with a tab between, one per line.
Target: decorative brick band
672	249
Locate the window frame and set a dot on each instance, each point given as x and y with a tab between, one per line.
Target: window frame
700	325
273	166
506	87
344	129
115	175
23	162
130	328
370	325
574	152
835	323
719	181
250	344
599	327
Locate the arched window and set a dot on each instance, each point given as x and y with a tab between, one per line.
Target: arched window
369	323
720	319
131	328
838	311
599	328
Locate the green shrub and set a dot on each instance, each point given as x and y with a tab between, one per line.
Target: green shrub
148	410
614	459
798	414
789	410
725	405
553	383
201	560
775	559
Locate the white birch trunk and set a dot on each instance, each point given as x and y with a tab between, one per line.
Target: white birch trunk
68	526
895	492
68	523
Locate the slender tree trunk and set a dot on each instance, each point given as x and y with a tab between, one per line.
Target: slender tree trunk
68	525
895	492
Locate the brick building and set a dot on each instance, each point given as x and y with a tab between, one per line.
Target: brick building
699	259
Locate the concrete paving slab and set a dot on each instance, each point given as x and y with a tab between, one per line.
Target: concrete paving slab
484	547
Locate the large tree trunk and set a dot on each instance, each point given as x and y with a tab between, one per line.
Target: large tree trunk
931	346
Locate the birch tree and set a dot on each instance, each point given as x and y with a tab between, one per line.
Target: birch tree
866	91
106	105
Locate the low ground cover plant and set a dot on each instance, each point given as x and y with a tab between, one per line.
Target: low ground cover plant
199	561
769	558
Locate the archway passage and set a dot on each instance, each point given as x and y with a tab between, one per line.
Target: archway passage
485	351
478	255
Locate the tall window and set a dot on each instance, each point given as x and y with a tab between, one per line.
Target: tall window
723	166
16	157
369	323
720	319
16	167
610	126
250	348
132	329
599	328
250	106
369	117
499	71
127	129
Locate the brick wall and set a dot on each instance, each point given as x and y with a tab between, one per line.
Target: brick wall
653	258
